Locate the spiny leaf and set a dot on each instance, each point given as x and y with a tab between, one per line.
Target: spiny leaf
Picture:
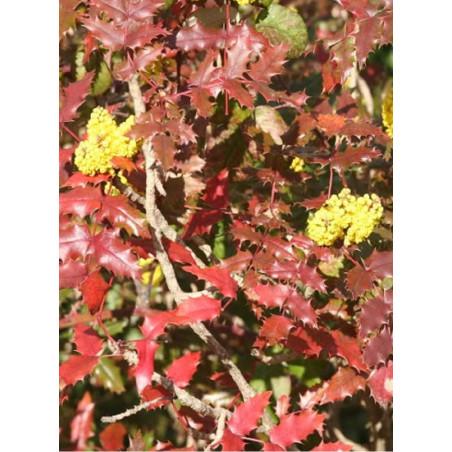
72	273
231	442
181	370
87	340
381	384
276	328
112	437
109	375
218	277
378	348
374	314
145	367
282	25
296	427
74	95
349	348
81	424
94	288
332	447
77	367
247	414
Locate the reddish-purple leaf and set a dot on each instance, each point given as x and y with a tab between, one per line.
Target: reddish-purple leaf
123	10
181	370
311	278
74	242
378	348
74	95
272	296
269	64
81	424
349	348
231	442
276	328
143	57
296	427
72	273
94	288
282	405
218	277
178	253
113	254
380	264
81	180
81	201
112	437
340	65
282	270
359	280
152	393
343	160
198	309
239	262
301	309
87	340
330	124
279	248
332	447
381	384
199	37
77	367
246	416
374	314
145	367
344	383
236	90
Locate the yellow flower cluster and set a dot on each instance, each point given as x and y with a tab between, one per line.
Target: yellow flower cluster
157	275
105	140
297	164
345	217
244	2
386	113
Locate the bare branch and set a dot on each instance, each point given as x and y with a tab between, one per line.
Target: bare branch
277	359
132	411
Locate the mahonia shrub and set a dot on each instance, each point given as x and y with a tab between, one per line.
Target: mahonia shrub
225	225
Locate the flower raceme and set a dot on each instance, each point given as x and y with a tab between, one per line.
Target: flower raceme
297	164
386	113
345	216
105	140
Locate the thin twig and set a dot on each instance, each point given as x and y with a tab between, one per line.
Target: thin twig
132	411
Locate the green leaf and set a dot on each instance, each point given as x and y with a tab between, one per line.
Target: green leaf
281	385
284	25
102	81
109	375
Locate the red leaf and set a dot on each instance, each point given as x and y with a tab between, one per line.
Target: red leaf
198	309
343	160
164	149
279	248
152	393
331	124
310	277
246	416
114	255
121	10
112	437
296	427
374	314
231	442
87	340
237	91
282	405
301	342
74	95
199	37
340	65
378	348
282	270
145	367
143	57
218	277
276	328
133	34
74	242
72	273
359	280
360	128
94	289
81	180
123	163
77	367
349	348
333	447
178	252
314	203
80	201
380	264
269	64
81	424
344	383
239	262
381	384
181	370
301	309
